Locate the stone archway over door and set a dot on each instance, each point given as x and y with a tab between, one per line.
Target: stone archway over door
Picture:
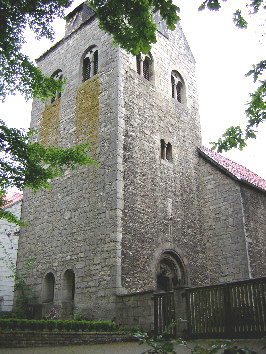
170	278
170	272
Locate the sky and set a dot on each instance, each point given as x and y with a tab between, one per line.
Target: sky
223	55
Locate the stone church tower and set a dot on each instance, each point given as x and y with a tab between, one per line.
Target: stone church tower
132	224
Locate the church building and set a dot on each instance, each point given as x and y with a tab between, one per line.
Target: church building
159	212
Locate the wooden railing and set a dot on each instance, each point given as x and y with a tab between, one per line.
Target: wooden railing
235	310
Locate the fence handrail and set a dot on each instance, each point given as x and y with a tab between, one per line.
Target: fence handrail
225	284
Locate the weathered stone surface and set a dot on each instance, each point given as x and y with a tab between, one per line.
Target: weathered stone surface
233	226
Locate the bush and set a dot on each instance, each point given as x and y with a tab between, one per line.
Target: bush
60	325
50	325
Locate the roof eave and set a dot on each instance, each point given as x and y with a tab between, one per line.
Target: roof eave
227	172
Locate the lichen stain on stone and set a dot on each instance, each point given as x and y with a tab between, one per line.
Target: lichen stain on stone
87	113
49	124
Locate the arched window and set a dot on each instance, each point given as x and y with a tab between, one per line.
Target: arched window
166	151
48	288
68	285
170	272
178	88
144	65
90	63
59	76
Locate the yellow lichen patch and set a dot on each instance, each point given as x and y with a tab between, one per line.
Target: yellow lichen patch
87	113
49	124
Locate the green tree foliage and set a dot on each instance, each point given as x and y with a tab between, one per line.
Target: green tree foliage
235	136
25	163
17	71
130	22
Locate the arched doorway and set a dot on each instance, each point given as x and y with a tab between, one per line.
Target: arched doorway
170	272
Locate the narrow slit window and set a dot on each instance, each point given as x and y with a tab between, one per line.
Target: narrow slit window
179	92
163	149
169	152
138	64
86	69
95	62
146	69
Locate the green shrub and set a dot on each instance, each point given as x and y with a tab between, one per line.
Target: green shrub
67	325
32	325
60	325
78	317
83	326
50	325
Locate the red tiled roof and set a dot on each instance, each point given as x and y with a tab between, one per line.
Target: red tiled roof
240	172
12	198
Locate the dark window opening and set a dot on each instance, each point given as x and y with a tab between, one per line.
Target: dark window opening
177	87
86	69
178	91
90	64
144	66
169	152
163	149
173	87
138	64
95	61
166	151
146	69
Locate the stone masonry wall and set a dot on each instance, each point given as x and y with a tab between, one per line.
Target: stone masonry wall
74	225
9	235
49	124
135	311
153	186
254	207
223	226
51	339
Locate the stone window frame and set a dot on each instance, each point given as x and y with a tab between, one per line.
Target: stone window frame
144	66
166	151
90	62
178	87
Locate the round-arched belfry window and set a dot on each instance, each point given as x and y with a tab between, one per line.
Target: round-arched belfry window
170	272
